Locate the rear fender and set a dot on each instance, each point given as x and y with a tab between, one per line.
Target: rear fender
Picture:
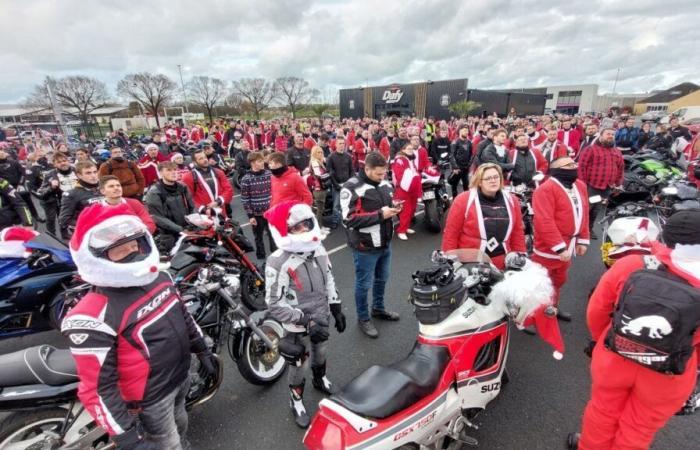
36	395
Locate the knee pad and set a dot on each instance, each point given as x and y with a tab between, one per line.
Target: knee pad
292	350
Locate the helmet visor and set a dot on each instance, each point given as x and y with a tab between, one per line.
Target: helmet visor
116	235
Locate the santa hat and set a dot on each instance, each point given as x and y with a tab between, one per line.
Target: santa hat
152	145
12	240
286	214
101	271
175	155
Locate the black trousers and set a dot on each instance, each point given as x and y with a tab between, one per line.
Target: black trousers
259	229
594	208
454	180
51	214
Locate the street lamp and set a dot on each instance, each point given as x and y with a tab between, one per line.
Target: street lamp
184	92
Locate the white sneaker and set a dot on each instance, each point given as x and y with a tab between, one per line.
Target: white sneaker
411	231
402	236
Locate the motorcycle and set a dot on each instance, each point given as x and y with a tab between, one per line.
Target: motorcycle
33	288
677	196
221	238
524	194
629	229
457	366
39	385
436	200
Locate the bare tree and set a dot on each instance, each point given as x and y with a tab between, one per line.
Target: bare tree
78	95
294	92
152	91
207	93
258	92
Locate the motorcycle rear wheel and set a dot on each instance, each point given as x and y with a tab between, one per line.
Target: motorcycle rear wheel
432	220
33	430
258	364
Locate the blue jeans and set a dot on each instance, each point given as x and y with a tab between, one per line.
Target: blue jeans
371	269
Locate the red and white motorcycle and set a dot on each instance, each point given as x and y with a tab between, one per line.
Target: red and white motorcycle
457	366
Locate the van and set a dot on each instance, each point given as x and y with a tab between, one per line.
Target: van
683	114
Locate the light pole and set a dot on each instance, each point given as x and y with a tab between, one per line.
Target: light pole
184	92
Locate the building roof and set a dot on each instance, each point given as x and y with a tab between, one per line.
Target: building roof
672	93
17	110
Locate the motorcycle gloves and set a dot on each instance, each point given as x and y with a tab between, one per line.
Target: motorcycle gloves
339	317
516	260
132	439
208	362
318	333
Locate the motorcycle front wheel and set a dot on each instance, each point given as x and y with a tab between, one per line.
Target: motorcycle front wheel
252	291
258	364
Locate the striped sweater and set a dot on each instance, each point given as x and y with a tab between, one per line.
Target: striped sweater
256	192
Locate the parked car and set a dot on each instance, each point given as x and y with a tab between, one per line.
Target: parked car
652	116
684	114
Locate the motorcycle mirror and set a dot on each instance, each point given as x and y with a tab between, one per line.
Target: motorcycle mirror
595	199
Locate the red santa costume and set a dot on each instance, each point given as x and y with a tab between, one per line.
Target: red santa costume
629	402
407	181
385	147
538	139
360	150
571	138
465	226
252	139
149	166
309	142
560	223
553	150
202	194
195	134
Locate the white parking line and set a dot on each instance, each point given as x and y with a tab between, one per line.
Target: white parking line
341	247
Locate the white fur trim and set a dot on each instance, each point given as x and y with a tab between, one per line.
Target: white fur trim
524	291
101	272
687	258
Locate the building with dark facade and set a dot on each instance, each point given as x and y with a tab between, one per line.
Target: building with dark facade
433	98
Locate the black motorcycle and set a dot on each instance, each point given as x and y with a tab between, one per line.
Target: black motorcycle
39	385
436	200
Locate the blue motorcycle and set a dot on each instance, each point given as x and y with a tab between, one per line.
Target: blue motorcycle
33	290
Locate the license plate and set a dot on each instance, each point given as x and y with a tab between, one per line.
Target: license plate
429	195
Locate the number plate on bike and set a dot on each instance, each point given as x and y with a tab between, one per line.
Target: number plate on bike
429	195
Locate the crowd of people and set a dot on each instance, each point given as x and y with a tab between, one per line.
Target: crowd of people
300	179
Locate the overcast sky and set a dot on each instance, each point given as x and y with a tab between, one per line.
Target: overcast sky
339	43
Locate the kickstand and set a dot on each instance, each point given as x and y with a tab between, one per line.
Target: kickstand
467	440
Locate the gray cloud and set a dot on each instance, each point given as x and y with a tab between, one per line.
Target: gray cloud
495	43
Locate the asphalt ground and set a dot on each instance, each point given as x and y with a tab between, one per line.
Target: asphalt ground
542	403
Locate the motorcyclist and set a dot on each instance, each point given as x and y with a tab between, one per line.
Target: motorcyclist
85	192
526	162
13	210
56	182
131	336
10	169
301	294
169	202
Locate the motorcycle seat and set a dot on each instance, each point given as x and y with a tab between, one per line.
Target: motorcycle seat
43	364
380	391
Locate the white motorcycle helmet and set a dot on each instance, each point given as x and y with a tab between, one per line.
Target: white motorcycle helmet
102	228
285	218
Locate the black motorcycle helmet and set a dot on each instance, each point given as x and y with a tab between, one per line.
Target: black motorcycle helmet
683	227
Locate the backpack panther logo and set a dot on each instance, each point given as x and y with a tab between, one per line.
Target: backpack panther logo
658	326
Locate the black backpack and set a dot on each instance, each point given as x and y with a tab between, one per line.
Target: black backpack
655	319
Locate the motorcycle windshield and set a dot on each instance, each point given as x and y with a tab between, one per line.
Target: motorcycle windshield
468	255
61	253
